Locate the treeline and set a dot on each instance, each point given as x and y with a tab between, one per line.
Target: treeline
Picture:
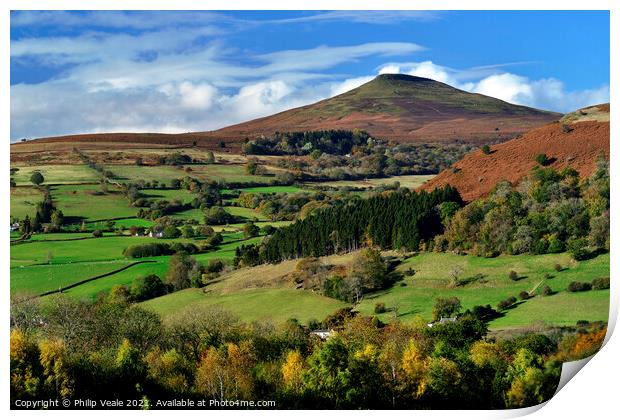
337	142
161	248
63	348
551	211
291	206
394	220
376	161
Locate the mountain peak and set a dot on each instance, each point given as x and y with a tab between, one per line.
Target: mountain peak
400	77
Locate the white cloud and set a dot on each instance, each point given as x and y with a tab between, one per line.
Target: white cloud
493	80
506	86
324	57
432	71
197	96
349	84
389	69
377	17
549	94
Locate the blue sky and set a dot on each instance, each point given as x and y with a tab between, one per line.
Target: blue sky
85	72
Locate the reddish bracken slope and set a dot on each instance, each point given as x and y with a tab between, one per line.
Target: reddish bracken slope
575	141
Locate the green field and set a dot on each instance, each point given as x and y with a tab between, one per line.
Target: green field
165	174
57	174
432	280
275	305
195	214
24	201
90	249
37	279
86	202
183	195
132	173
226	173
246	213
270	297
121	223
49	261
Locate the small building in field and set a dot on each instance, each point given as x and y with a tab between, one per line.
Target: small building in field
322	334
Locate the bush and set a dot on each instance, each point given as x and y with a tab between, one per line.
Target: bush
486	149
484	313
97	233
215	266
380	308
506	303
147	287
446	307
548	276
524	295
600	283
577	286
546	290
558	267
577	249
37	178
513	275
542	159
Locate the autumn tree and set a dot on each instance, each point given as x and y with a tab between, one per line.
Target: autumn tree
183	271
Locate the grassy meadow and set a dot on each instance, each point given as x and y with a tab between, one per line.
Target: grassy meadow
415	295
24	201
56	174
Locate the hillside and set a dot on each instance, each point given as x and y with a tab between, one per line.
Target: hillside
403	108
575	141
392	106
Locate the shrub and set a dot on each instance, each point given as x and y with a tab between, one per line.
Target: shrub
577	249
546	290
485	313
600	283
513	275
97	233
446	307
486	149
577	286
506	303
566	128
147	287
215	266
558	267
380	308
37	178
524	295
542	159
